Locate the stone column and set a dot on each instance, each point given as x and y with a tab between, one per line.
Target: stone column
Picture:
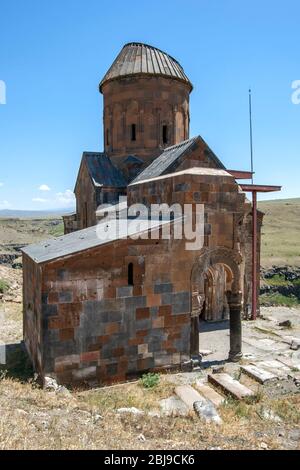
194	347
235	322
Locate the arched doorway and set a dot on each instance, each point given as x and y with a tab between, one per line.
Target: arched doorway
217	283
216	295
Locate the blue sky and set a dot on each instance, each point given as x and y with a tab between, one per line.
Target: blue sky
54	53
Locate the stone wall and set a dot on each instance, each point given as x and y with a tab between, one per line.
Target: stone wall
148	103
32	312
99	328
86	199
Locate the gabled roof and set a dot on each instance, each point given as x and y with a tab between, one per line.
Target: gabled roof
169	160
100	234
195	171
102	171
132	159
141	59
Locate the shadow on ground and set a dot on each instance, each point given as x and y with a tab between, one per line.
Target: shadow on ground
206	327
15	362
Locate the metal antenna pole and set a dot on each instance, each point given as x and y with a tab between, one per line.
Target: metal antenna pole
251	138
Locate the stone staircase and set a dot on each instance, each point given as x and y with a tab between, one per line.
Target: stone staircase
205	397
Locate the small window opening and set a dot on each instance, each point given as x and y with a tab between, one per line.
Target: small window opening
107	136
133	132
165	134
85	215
130	274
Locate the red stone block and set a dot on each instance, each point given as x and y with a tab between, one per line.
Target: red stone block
66	334
89	356
112	328
135	341
165	310
54	323
142	313
53	298
153	300
117	352
142	333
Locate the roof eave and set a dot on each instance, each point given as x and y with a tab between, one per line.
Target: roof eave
142	75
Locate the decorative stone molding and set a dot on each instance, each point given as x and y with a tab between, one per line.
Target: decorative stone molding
219	255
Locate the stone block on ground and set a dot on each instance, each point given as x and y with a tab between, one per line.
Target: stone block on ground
290	362
274	366
206	410
260	375
210	394
230	386
194	401
173	406
188	395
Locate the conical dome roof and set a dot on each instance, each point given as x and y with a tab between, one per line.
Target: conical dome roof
141	59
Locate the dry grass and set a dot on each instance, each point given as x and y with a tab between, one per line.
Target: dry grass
281	232
32	418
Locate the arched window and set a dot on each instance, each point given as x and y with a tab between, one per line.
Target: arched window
130	274
133	132
165	134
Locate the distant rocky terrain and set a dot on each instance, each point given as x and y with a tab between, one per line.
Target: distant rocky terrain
16	233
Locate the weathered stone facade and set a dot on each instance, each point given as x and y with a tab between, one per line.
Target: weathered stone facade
153	105
103	310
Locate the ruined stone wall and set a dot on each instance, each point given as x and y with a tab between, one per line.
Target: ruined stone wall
86	197
148	103
32	311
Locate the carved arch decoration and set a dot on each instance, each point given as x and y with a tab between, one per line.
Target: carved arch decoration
221	255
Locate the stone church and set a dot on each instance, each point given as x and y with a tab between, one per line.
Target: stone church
104	309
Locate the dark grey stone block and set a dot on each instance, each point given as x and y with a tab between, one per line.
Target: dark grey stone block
50	336
197	196
112	317
154	345
112	369
125	291
163	288
207	229
144	324
182	187
135	302
65	297
153	312
129	323
166	299
157	333
132	366
49	310
62	274
64	348
181	303
132	351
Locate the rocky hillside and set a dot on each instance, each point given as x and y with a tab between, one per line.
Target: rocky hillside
281	233
17	232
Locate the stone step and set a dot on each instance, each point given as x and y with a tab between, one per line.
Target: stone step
231	386
209	393
275	367
194	401
260	375
289	362
188	395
